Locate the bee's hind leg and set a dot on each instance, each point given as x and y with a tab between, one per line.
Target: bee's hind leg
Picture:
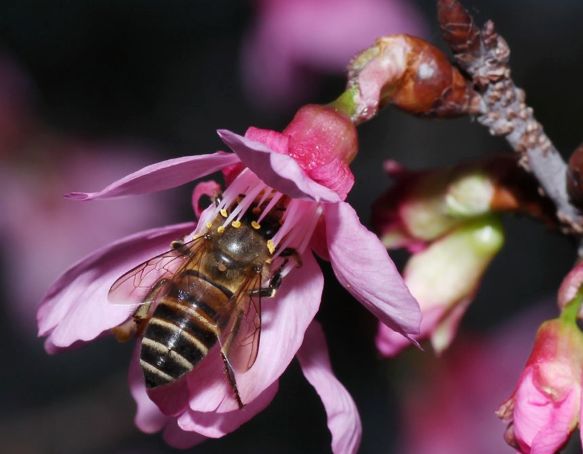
137	323
231	377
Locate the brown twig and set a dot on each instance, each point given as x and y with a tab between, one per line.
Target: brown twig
484	56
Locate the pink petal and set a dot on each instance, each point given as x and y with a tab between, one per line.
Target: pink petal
180	439
364	268
336	175
285	319
343	418
274	140
277	170
216	425
149	418
76	306
162	175
442	335
540	423
390	343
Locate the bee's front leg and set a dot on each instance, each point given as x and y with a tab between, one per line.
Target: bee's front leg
277	277
136	325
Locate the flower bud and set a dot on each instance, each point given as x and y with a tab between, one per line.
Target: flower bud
444	278
413	75
544	408
425	205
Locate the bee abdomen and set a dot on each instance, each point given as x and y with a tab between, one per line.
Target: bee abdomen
177	337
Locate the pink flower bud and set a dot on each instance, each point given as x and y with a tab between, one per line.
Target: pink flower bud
544	408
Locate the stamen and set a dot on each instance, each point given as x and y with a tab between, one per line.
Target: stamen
255	225
236	224
223	212
220	229
276	197
264	197
247	201
209	225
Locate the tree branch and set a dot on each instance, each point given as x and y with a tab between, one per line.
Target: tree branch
484	56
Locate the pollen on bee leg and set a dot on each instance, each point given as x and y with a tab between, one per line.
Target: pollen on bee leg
255	225
270	246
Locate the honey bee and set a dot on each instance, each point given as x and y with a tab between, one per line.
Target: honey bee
200	293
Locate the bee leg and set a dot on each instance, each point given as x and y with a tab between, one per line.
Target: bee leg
231	377
135	326
290	252
273	286
178	245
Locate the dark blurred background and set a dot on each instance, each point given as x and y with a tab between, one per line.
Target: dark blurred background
103	87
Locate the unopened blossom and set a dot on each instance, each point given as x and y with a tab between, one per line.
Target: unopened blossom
294	41
307	167
444	278
545	407
422	206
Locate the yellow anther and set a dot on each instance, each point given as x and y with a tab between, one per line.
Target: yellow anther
223	212
220	229
270	246
236	224
208	225
255	225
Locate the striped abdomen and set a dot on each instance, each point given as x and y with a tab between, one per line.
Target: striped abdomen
183	328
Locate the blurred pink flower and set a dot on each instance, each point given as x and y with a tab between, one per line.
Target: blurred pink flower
448	408
42	233
311	171
545	408
292	40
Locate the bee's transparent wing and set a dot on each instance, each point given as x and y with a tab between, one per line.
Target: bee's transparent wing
240	339
135	286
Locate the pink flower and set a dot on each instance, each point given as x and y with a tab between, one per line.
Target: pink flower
293	39
31	189
304	166
545	407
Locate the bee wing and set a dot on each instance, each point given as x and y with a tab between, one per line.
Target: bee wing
240	339
138	285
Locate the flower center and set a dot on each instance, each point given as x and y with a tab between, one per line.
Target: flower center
248	199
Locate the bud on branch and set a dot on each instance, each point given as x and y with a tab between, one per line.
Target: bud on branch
484	55
411	74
